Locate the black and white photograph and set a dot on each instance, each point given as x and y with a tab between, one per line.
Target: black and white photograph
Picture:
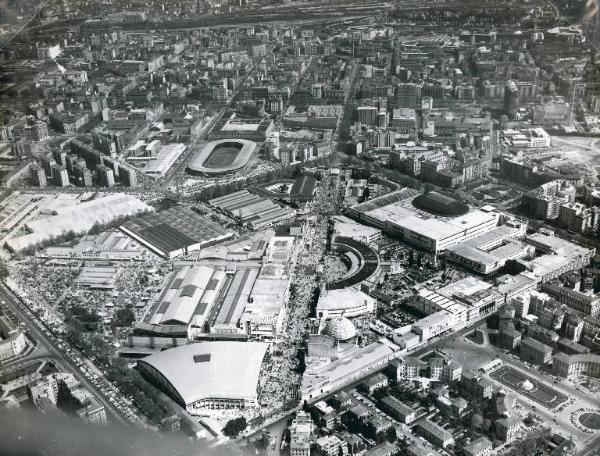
299	227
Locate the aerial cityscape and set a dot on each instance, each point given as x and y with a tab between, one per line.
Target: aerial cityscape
300	228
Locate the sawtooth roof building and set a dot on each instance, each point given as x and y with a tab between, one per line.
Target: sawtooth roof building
189	296
176	231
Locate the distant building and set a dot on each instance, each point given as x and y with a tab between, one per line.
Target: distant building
509	339
507	428
301	433
331	445
476	386
434	433
60	175
92	411
511	98
37	175
481	446
383	449
579	218
535	352
12	341
398	409
105	176
571	366
373	383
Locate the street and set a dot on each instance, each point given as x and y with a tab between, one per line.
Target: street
106	394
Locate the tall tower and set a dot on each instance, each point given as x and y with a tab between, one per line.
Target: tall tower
511	99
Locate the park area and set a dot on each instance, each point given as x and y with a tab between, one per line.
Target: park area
590	420
529	387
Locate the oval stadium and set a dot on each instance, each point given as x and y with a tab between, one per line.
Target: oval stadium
222	157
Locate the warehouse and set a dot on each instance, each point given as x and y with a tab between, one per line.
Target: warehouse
64	213
264	312
110	246
227	317
161	163
252	210
176	231
98	277
188	297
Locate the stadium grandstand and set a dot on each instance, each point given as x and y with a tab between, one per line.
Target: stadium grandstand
232	127
222	157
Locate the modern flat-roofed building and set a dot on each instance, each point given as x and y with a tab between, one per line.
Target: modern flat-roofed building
348	228
530	141
433	325
395	214
346	301
264	312
489	252
331	445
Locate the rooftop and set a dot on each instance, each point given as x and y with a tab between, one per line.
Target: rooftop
211	369
175	229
